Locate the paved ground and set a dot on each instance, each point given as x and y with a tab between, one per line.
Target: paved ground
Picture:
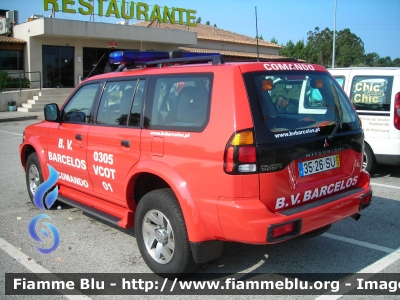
90	247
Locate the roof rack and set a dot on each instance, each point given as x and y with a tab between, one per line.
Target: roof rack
283	59
215	59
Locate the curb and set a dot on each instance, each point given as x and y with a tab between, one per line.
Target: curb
19	119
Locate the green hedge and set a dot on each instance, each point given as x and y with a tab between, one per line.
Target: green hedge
7	81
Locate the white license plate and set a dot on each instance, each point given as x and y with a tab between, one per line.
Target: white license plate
319	165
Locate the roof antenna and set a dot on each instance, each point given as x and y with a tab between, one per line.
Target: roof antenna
258	55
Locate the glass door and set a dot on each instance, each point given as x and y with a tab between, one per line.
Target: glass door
58	66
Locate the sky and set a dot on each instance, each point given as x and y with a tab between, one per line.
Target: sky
376	22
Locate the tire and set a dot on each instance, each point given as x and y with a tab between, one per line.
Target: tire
369	162
316	232
33	174
161	234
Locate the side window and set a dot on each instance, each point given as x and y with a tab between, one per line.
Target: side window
79	107
179	102
371	92
340	80
115	102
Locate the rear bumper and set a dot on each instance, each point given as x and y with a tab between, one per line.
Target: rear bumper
247	220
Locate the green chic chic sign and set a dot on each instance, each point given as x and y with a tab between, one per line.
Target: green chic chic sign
139	11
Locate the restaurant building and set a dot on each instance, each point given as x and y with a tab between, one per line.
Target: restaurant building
67	51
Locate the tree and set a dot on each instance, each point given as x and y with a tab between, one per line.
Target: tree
260	37
215	25
298	50
322	42
198	21
288	50
274	40
373	60
383	62
370	59
208	23
349	49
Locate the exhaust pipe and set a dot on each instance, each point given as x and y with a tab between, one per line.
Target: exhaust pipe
356	216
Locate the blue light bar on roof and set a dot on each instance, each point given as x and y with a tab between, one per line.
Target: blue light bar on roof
124	57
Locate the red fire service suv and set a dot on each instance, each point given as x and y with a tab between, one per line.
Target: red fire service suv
194	152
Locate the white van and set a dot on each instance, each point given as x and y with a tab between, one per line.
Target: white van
375	93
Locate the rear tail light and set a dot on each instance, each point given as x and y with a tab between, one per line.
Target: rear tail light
242	138
247	154
241	153
283	231
229	160
366	200
396	114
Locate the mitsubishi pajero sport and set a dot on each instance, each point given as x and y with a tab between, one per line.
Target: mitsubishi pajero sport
193	152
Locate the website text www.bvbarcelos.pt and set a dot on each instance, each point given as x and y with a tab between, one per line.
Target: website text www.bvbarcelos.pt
287	285
297	132
173	134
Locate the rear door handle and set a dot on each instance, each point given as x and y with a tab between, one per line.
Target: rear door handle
125	143
78	137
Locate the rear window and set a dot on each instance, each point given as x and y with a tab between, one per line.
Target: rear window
297	104
371	92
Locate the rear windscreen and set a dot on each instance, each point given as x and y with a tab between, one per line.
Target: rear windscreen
291	105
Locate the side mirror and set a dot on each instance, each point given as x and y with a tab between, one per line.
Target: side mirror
52	112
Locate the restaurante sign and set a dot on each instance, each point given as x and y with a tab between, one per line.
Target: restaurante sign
139	11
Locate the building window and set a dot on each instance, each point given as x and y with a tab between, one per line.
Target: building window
11	60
